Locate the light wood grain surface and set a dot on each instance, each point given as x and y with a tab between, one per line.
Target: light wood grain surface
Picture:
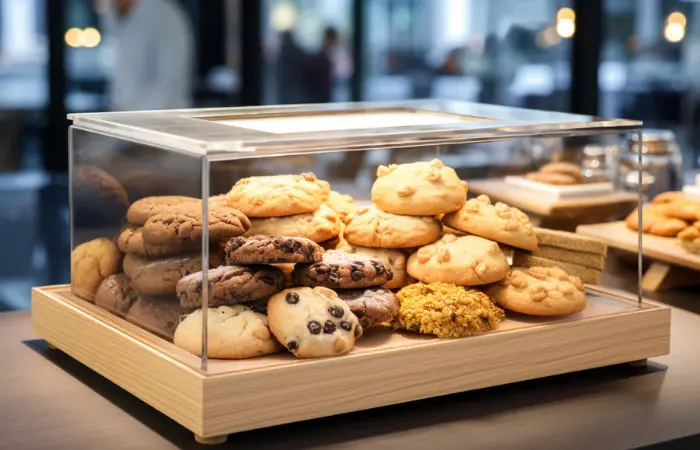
617	235
49	401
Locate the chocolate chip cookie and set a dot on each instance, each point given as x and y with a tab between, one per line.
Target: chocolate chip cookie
230	285
160	276
312	323
342	270
116	295
142	210
130	240
261	249
371	306
176	226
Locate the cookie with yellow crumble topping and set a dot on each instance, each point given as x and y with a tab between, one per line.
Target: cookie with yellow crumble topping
446	310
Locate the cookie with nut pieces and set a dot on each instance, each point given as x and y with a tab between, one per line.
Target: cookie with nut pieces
279	195
464	261
499	222
372	227
539	291
418	189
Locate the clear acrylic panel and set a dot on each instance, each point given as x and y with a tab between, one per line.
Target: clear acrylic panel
329	218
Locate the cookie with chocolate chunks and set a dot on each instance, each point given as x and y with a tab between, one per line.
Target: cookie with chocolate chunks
371	306
340	270
262	249
230	285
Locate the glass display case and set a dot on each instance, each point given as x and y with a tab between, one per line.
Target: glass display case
220	254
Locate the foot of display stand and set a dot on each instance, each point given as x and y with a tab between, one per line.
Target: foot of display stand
662	276
638	363
211	440
52	347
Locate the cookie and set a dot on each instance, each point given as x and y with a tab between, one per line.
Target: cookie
186	225
233	332
668	197
312	323
686	210
564	168
372	306
142	210
342	270
394	259
464	261
340	203
280	195
98	198
261	249
160	276
318	226
690	238
499	222
587	275
539	291
655	221
229	285
418	189
130	240
372	227
91	263
570	241
158	315
570	256
287	270
116	295
445	310
557	179
218	201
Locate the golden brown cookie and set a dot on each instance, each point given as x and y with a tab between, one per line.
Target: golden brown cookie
174	227
499	222
690	238
686	210
539	291
91	263
321	225
557	179
280	195
340	203
141	210
655	221
587	275
564	168
372	227
446	310
115	294
395	259
668	197
418	189
464	261
130	240
160	276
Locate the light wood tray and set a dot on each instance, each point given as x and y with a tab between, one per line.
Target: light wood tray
385	368
671	261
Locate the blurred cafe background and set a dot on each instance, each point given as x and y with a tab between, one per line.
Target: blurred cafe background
636	59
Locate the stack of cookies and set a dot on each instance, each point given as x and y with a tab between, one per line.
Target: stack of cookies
581	256
667	215
557	173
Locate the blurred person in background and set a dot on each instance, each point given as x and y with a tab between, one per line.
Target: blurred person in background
153	60
290	70
320	69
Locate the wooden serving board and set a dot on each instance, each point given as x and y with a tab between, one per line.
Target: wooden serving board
673	266
550	212
234	396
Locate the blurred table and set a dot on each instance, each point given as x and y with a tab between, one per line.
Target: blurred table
49	400
559	214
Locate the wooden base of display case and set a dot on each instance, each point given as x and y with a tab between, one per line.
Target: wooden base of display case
672	265
385	368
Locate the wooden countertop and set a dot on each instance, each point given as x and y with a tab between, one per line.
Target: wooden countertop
48	400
